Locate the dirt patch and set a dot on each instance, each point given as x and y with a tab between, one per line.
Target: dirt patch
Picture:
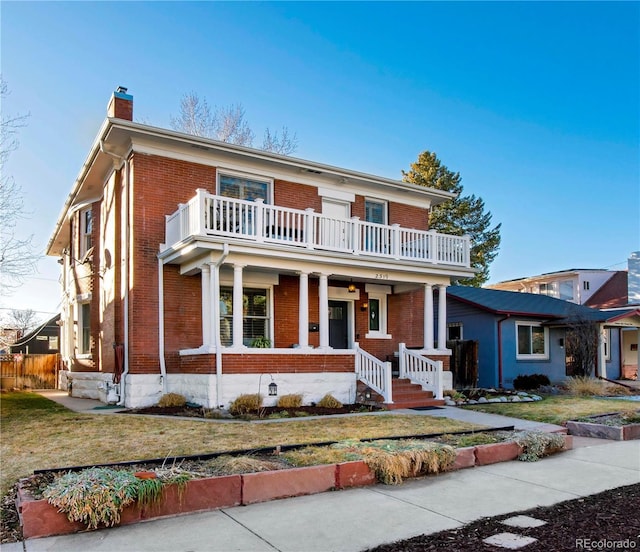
600	520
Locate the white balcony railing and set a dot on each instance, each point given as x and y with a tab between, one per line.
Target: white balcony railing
212	215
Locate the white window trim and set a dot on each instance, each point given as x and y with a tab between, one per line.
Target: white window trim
269	290
80	329
545	355
607	343
381	293
83	233
249	176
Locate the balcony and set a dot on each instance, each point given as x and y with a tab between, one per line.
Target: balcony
223	217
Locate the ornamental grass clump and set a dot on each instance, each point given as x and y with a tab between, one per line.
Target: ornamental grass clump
95	496
329	401
172	400
393	461
246	404
537	444
290	401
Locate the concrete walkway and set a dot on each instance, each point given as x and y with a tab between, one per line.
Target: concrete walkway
357	519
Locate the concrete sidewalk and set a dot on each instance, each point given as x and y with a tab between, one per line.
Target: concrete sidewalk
356	519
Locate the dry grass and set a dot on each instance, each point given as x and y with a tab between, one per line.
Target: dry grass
290	401
558	409
584	386
38	433
230	465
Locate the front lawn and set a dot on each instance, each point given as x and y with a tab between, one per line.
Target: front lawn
38	433
557	409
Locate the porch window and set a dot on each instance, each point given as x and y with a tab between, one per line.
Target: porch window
241	187
255	318
533	341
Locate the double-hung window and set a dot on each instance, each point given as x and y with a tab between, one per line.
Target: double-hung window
243	187
533	341
86	230
84	325
376	238
255	315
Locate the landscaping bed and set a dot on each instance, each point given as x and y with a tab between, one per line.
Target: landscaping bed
264	412
615	426
268	476
604	521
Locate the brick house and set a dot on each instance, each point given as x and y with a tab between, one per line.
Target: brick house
208	269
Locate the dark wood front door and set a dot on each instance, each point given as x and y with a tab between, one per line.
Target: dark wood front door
338	324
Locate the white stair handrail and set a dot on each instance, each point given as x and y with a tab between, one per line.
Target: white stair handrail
375	373
421	370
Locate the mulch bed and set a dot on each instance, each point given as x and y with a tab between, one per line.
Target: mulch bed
603	521
264	412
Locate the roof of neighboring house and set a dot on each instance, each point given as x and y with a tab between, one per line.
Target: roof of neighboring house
524	304
613	293
52	322
546	275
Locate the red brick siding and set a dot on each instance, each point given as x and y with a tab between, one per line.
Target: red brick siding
286	311
296	196
158	186
408	216
273	363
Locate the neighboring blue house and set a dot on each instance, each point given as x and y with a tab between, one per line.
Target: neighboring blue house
524	333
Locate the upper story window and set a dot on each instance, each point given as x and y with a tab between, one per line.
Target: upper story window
86	230
375	211
243	187
533	341
566	290
548	288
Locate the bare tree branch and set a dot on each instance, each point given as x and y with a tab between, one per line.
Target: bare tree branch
284	144
17	256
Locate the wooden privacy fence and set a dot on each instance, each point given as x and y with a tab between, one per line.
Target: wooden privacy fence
464	363
29	371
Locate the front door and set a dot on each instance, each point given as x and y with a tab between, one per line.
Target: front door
338	324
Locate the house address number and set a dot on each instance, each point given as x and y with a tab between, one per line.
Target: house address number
381	276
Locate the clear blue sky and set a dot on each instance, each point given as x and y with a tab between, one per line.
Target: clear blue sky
537	105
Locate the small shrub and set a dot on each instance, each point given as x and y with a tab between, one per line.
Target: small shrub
617	391
529	382
246	404
172	400
329	401
232	465
536	444
290	401
585	386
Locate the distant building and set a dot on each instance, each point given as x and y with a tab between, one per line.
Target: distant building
43	340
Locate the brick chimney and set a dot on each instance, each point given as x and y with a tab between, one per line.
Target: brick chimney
121	105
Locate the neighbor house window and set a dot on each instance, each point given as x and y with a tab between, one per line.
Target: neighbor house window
53	343
454	331
84	327
566	290
255	315
86	229
532	341
242	187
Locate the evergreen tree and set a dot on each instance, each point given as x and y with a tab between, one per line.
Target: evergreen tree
464	215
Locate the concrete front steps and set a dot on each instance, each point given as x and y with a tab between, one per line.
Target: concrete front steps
405	395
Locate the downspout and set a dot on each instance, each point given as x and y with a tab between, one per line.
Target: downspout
216	320
500	349
163	366
121	162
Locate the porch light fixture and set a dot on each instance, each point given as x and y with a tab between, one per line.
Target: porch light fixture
273	389
364	307
367	394
351	288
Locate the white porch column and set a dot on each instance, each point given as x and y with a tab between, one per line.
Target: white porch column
324	310
602	357
442	317
206	305
214	294
303	313
238	330
428	317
